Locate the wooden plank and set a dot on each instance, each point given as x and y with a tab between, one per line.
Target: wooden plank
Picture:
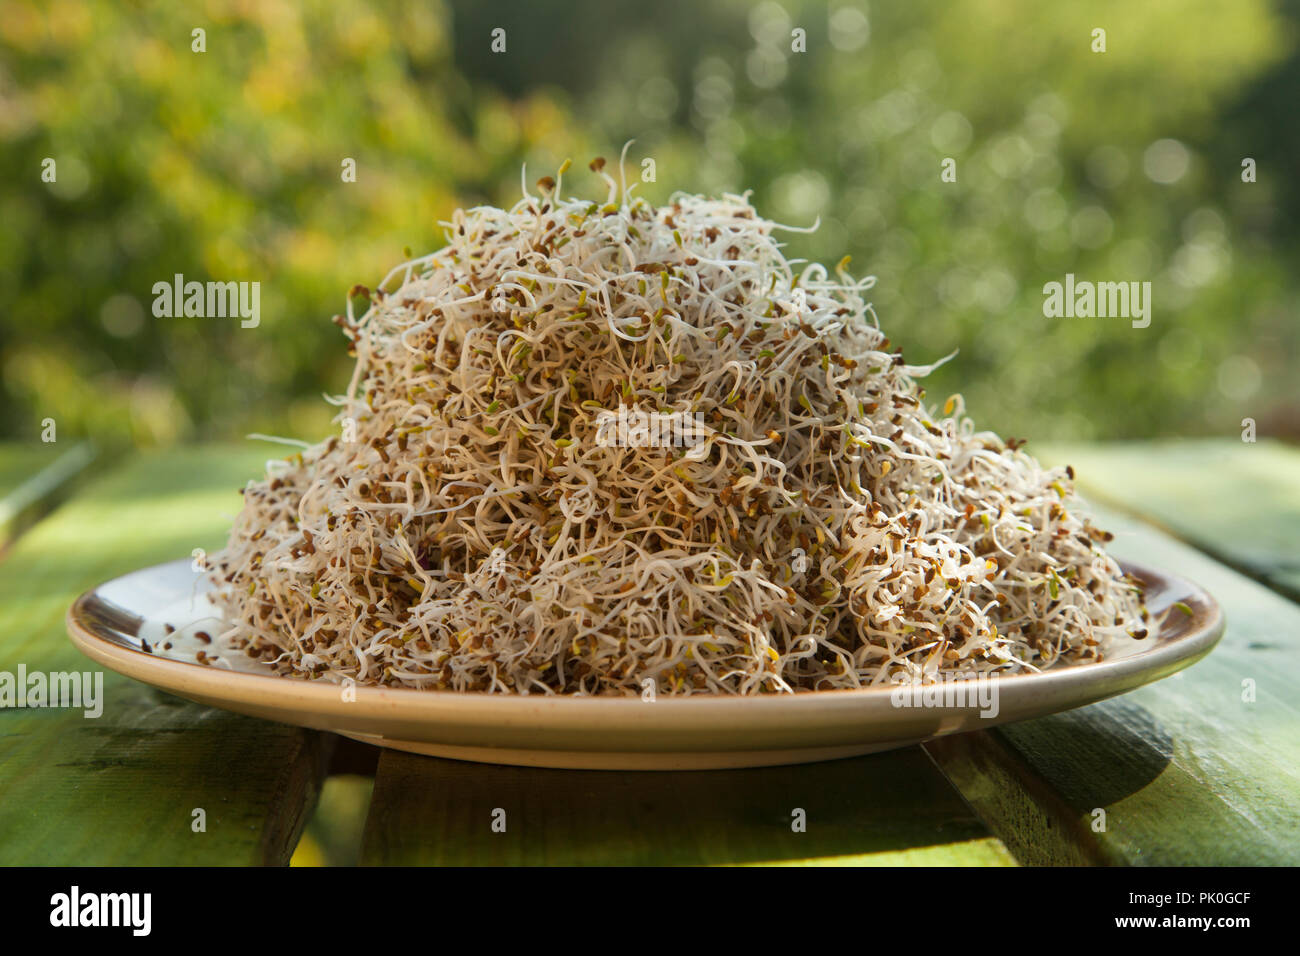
33	477
1188	770
121	789
1237	501
883	809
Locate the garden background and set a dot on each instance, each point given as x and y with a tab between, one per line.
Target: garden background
1115	166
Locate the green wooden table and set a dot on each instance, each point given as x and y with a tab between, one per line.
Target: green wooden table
1201	768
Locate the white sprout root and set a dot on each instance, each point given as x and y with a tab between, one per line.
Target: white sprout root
831	531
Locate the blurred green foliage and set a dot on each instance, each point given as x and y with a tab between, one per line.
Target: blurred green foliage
223	165
1116	166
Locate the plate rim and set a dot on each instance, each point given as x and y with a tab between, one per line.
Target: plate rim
463	708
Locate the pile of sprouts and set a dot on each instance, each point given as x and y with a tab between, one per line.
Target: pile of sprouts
826	528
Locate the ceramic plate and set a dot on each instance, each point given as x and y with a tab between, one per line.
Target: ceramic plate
115	623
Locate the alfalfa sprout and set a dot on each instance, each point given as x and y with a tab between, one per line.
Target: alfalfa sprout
831	529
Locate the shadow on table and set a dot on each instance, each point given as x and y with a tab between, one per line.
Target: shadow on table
432	811
1040	783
